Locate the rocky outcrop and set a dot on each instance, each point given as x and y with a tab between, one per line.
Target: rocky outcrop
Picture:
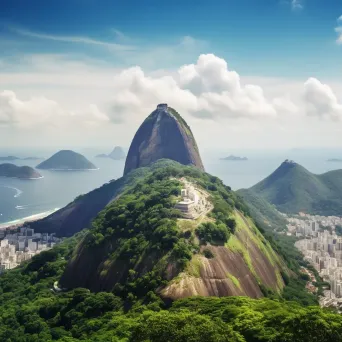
164	134
117	154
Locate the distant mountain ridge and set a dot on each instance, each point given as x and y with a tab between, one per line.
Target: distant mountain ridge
12	158
22	172
292	189
234	158
67	160
117	154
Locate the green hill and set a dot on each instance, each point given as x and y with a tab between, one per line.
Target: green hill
22	172
292	189
139	243
126	273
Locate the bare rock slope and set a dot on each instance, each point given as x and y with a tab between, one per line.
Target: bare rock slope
164	134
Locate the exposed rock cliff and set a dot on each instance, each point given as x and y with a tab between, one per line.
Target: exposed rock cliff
164	134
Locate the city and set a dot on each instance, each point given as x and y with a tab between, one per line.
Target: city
322	248
19	244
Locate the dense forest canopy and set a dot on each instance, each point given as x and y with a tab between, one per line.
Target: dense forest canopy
32	311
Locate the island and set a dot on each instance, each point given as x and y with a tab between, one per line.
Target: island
12	158
235	158
117	154
335	160
22	172
67	160
9	158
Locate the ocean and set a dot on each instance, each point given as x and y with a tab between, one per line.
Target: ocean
23	198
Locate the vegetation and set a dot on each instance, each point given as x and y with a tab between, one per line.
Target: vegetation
141	223
31	312
292	188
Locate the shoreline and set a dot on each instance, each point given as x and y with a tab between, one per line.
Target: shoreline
30	218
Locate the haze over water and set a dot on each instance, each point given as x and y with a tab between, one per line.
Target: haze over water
23	198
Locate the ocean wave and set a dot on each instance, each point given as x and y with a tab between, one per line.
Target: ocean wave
18	191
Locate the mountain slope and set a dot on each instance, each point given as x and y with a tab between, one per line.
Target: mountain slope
164	134
67	160
292	188
138	244
78	214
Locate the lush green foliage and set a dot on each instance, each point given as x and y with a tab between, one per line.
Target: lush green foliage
292	188
141	225
213	233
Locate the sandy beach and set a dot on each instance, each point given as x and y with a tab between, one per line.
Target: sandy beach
27	219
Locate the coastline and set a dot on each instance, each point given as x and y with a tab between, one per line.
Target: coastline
31	218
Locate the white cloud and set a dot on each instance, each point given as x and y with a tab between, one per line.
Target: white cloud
321	101
296	5
109	104
338	30
74	39
44	113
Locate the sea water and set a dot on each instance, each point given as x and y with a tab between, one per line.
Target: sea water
24	198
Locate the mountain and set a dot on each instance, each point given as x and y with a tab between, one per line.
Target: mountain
117	154
79	214
141	238
292	189
23	172
67	160
234	158
164	134
335	160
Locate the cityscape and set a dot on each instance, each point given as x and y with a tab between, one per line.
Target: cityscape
19	244
321	245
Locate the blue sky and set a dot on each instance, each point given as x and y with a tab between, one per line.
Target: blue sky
268	37
265	73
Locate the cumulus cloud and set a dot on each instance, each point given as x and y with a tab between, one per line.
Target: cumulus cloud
95	97
207	89
321	101
42	112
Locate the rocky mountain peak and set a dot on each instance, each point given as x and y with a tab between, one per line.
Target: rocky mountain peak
163	135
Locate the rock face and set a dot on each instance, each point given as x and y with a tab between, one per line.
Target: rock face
22	172
67	160
117	154
164	134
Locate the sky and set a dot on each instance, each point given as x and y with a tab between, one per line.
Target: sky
249	74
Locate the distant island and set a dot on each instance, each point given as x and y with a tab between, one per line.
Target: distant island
117	154
22	172
12	158
67	160
336	160
235	158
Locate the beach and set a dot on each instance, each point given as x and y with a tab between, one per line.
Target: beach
27	219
